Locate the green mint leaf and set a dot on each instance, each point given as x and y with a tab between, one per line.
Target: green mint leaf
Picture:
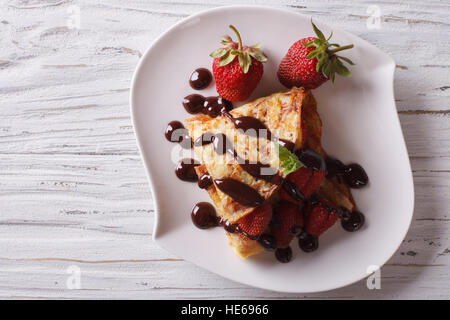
318	32
226	59
288	160
218	53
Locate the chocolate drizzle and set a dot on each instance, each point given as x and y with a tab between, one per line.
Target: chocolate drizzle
353	175
292	189
211	106
204	216
223	145
240	192
185	170
205	181
284	255
193	103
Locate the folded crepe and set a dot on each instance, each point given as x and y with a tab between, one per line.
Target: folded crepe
290	115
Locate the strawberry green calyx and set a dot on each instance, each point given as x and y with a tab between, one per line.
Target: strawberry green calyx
328	62
231	50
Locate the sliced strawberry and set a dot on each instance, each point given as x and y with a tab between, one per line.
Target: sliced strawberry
313	183
257	221
291	218
306	180
318	218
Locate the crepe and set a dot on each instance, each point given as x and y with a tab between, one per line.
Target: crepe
281	113
290	115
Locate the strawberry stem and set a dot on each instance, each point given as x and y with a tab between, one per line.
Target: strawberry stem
341	48
238	36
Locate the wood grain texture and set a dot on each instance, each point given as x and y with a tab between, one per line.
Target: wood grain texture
73	188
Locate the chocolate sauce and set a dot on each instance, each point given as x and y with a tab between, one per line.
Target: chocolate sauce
292	189
193	103
204	215
175	132
240	192
309	243
355	176
261	171
205	181
223	145
214	106
230	227
211	106
334	167
311	159
185	170
250	126
354	223
200	79
268	242
284	255
287	144
344	214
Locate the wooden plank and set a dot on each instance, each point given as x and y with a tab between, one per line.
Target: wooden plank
73	188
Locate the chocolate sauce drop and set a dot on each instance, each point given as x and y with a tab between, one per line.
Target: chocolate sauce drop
309	243
230	227
354	223
355	176
344	214
311	159
334	167
214	106
284	255
268	242
205	181
193	103
292	189
204	215
200	78
185	170
175	131
240	192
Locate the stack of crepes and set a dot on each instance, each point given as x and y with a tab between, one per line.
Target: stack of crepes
290	115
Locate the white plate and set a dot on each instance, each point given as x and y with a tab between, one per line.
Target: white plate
360	124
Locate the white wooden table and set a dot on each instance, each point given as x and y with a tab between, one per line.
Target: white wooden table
73	191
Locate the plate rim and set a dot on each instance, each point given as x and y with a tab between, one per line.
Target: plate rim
154	192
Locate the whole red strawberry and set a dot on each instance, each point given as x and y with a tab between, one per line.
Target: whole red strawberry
257	221
310	62
237	69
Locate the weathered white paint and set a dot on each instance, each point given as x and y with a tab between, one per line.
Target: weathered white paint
73	189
